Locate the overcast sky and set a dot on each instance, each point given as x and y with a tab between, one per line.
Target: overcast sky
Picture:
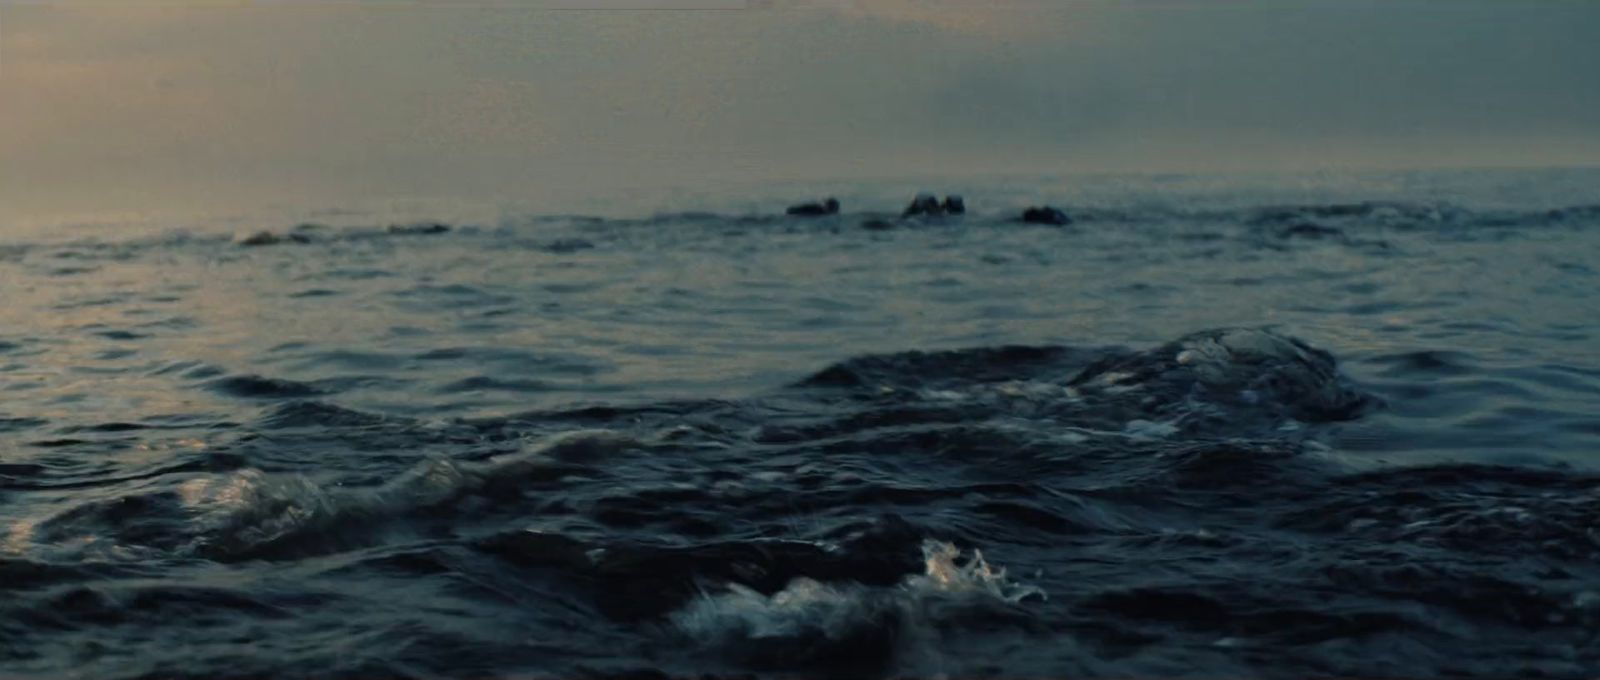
207	105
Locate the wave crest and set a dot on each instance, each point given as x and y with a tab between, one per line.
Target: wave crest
814	624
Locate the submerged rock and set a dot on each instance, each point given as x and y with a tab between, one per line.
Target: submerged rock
826	207
260	238
877	225
1045	215
419	228
267	238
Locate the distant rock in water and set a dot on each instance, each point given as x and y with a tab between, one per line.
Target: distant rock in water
1045	215
267	238
928	205
567	245
419	228
924	204
260	238
309	231
827	207
877	225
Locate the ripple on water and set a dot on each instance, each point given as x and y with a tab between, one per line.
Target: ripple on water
515	360
16	425
290	470
479	383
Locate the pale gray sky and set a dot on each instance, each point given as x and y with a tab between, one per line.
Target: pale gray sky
211	105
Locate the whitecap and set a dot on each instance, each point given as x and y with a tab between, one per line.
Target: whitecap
946	575
807	612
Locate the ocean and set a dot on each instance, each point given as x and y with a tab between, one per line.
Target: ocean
1217	426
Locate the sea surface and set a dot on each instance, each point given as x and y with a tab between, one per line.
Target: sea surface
1309	425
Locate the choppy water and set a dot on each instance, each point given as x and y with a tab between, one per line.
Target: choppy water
1344	426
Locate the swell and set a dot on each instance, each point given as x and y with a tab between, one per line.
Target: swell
568	234
1169	507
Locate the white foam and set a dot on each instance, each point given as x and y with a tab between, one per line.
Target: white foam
944	574
807	607
804	606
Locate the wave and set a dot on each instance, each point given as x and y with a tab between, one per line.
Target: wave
259	387
846	625
1232	368
1011	407
253	514
1233	379
843	524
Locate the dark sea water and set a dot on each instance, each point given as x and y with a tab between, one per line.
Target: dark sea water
1216	427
